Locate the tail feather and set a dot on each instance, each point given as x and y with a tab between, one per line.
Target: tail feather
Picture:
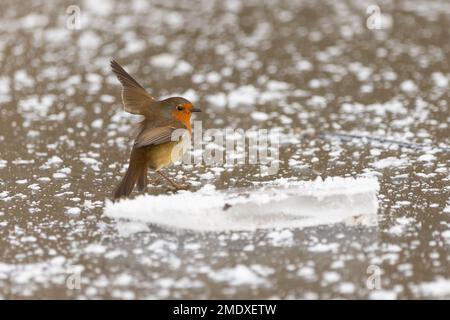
142	179
128	182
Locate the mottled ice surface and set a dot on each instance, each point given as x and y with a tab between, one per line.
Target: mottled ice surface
298	66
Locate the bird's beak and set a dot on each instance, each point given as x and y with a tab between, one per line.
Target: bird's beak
196	110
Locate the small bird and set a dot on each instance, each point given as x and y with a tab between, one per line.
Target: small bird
153	147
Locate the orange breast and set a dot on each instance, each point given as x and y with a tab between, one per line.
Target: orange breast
183	117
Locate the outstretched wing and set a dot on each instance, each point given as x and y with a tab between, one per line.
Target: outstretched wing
158	135
135	98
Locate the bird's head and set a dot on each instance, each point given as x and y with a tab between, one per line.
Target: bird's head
179	109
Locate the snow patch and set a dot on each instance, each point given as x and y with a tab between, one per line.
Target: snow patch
389	162
426	158
437	288
245	95
164	60
238	276
408	86
126	229
74	211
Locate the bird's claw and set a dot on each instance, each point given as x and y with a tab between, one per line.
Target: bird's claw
177	187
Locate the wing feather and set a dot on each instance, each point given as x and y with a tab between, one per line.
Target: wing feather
155	136
135	98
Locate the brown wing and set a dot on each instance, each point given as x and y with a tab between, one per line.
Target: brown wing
155	136
135	98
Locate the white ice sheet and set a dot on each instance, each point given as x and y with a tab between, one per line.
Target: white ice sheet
281	204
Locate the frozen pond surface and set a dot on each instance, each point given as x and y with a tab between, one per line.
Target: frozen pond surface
297	66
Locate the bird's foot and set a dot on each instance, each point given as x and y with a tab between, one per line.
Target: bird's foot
156	181
172	184
179	186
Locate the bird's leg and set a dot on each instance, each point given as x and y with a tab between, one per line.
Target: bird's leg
175	186
155	180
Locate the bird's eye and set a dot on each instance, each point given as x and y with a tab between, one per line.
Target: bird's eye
179	108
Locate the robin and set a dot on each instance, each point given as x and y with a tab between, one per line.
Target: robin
153	147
